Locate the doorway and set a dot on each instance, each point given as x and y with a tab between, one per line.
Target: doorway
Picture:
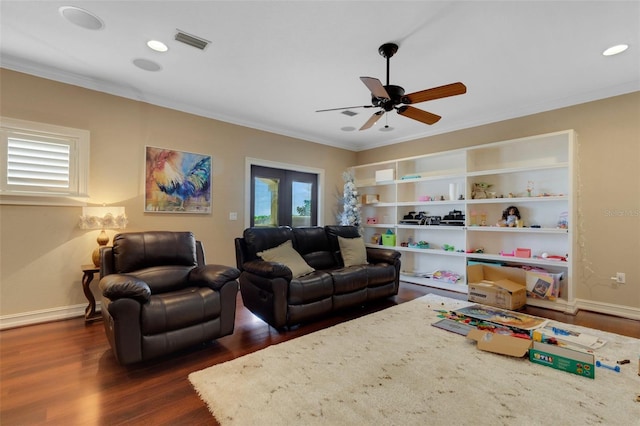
280	196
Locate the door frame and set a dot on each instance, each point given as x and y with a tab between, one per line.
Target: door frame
249	161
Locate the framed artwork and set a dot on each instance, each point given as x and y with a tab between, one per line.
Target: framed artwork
177	181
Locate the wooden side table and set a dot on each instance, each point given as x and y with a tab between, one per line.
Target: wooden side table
88	271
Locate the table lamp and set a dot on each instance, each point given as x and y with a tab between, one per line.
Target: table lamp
105	217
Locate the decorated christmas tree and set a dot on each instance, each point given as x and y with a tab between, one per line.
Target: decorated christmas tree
350	206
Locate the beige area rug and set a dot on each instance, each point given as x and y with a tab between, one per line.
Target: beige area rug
393	368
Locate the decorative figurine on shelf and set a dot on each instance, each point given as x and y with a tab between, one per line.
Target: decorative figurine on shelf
479	190
510	217
563	221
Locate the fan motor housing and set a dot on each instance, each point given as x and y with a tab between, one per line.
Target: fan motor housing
395	93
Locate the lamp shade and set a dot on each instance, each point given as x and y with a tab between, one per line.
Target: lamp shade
105	217
102	218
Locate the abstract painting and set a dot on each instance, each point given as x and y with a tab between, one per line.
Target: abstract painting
177	182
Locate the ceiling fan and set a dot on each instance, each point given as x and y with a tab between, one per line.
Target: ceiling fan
391	97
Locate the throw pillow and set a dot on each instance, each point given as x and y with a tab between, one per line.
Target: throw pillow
353	251
286	254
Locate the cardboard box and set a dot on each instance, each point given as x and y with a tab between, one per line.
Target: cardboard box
553	335
502	287
499	343
385	175
562	358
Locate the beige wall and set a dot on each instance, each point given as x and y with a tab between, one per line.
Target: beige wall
42	248
608	202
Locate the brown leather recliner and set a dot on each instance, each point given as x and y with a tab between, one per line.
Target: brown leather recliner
159	296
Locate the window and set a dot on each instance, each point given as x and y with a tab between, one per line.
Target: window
42	160
283	196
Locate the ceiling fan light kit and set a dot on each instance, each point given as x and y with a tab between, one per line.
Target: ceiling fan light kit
390	97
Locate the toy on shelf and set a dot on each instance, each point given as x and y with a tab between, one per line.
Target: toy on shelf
454	218
510	218
479	250
563	220
478	218
446	276
389	238
479	190
413	218
548	256
419	244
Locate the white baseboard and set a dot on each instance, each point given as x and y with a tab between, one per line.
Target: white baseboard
608	308
57	314
44	315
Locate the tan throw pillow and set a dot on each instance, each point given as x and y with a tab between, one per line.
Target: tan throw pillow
286	255
353	251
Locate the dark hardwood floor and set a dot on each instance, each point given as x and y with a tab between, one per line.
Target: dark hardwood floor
64	373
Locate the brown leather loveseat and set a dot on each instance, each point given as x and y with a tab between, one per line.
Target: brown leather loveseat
275	294
159	296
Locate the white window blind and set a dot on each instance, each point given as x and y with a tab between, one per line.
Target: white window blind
36	163
42	160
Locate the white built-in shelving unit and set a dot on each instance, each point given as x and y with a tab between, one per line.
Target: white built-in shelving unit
542	164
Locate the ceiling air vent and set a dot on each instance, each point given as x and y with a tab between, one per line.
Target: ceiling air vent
194	41
349	113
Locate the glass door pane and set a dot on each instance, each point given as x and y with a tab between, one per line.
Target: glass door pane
301	203
265	201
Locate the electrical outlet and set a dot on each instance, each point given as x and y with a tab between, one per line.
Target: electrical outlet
620	277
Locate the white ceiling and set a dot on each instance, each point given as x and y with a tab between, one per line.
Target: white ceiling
272	64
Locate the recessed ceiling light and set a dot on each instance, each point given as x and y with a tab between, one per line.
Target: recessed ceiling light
157	45
81	17
614	50
348	129
147	65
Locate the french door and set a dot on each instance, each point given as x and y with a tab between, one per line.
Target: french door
283	197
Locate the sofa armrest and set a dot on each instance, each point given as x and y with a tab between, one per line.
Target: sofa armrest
377	255
269	270
121	286
213	276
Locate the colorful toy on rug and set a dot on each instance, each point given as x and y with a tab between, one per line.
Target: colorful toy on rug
453	316
518	322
